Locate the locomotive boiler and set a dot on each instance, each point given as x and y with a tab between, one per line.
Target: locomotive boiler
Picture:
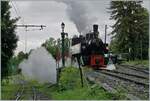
91	49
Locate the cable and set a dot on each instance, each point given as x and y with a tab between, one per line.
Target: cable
18	13
15	9
22	18
32	29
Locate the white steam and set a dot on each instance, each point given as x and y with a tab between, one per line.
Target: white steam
79	15
40	66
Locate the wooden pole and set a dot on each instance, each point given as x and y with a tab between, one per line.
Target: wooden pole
105	33
141	49
80	69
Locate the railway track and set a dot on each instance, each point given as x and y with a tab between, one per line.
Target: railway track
129	74
136	68
34	93
19	93
38	95
135	77
132	71
112	85
29	92
134	81
128	77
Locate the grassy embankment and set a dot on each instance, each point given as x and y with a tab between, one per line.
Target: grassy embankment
9	87
70	88
138	62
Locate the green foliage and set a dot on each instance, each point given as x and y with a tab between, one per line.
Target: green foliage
8	91
66	80
21	56
9	87
70	88
8	37
51	46
114	47
131	26
54	47
139	62
82	94
15	61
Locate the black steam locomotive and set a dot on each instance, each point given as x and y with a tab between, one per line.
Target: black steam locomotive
92	49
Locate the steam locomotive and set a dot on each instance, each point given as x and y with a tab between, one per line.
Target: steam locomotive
91	49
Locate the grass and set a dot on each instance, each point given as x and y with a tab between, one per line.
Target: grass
84	93
8	91
70	88
9	88
138	62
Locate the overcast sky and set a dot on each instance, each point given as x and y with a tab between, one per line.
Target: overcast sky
52	14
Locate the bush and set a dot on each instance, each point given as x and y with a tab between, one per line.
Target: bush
69	79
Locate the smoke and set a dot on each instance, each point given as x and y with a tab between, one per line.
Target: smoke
79	15
40	66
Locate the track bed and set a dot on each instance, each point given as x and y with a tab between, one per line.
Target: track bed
133	81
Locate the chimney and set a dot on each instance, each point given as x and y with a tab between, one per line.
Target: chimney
95	28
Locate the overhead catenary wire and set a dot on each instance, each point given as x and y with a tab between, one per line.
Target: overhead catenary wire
22	18
23	25
15	9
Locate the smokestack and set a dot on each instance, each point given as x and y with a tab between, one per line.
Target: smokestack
95	28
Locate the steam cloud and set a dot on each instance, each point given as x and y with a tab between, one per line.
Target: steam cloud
40	66
78	13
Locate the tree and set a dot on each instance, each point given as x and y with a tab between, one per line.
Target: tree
130	28
54	46
8	37
143	35
51	47
21	56
14	62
